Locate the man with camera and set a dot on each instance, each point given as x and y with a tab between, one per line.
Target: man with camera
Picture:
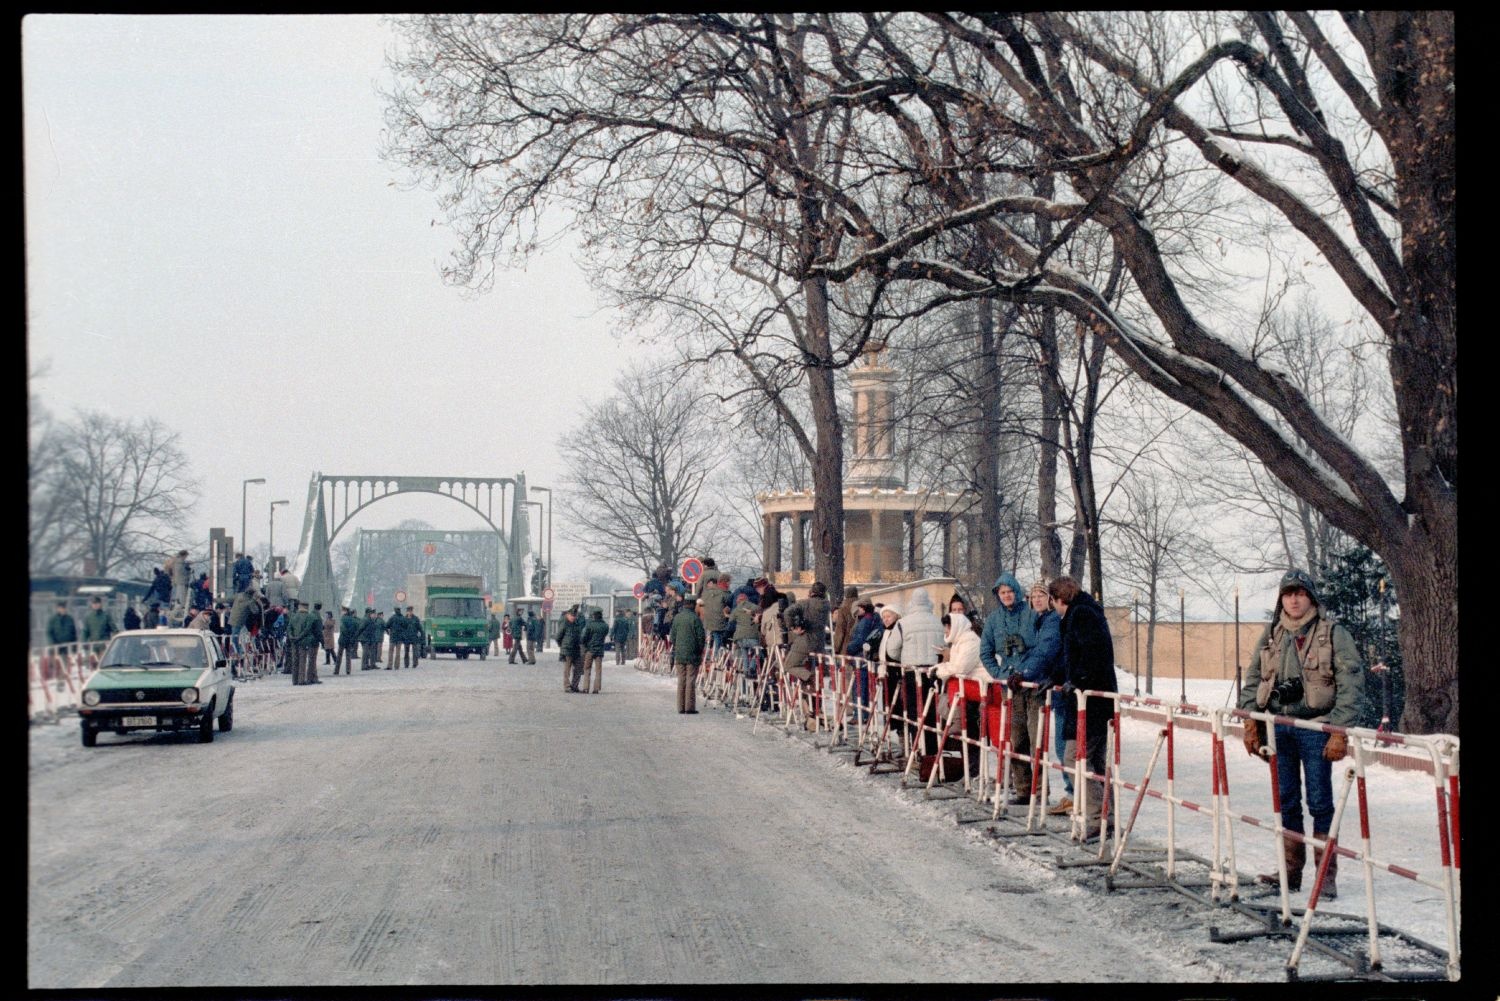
1308	668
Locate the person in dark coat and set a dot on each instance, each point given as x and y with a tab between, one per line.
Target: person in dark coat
244	568
619	635
570	649
131	619
595	635
349	627
61	628
515	635
535	634
1088	655
370	632
688	640
815	614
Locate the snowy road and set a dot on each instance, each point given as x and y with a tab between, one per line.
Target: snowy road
469	823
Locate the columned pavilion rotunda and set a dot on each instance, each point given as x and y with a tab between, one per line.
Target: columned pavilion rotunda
892	535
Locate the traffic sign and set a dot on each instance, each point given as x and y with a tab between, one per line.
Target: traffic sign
548	594
691	569
400	595
639	590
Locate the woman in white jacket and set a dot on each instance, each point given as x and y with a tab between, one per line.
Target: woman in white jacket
963	662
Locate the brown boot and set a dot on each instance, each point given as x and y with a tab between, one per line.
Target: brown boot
1330	879
1295	854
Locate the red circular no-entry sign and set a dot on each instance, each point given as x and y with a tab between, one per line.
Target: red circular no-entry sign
639	590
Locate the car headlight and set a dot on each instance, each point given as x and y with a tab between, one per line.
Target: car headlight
91	698
190	695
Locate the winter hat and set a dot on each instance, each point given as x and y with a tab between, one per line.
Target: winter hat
1295	578
892	608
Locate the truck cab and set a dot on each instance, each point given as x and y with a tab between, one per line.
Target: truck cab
454	616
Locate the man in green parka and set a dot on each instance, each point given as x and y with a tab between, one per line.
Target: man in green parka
688	639
1305	666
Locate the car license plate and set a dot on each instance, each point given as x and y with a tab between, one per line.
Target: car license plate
138	721
460	643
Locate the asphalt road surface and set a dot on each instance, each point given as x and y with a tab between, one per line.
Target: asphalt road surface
469	823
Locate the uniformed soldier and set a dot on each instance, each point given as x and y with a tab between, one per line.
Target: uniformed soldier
303	634
534	633
595	633
416	640
395	631
570	650
98	627
370	632
349	627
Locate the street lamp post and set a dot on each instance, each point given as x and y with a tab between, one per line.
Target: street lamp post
538	504
271	537
548	492
244	488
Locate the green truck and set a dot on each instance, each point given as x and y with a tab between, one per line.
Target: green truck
453	613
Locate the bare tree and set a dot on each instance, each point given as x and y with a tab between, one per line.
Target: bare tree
125	489
51	542
1336	132
637	465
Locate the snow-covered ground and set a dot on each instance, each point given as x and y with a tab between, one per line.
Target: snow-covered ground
469	823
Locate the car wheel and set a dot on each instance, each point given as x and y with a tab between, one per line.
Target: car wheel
482	653
226	721
206	726
90	736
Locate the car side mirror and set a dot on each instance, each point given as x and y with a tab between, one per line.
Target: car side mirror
221	662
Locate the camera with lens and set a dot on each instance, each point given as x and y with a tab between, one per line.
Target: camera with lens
1288	693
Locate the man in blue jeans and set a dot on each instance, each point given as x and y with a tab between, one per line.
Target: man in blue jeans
1306	666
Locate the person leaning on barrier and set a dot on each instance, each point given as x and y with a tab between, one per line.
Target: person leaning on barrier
1036	664
1009	631
713	601
745	635
1308	668
688	640
922	640
1088	655
1049	634
962	640
843	619
887	655
815	616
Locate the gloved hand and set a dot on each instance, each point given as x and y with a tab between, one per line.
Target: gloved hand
1252	737
1068	689
1336	748
1013	682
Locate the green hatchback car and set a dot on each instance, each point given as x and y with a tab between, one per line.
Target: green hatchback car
164	680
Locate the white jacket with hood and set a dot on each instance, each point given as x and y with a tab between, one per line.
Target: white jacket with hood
963	652
921	632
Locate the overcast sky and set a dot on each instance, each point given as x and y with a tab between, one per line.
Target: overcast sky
212	240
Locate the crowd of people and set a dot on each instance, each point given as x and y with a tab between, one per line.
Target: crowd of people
1052	635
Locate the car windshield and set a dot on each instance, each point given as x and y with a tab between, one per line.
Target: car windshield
457	608
154	651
